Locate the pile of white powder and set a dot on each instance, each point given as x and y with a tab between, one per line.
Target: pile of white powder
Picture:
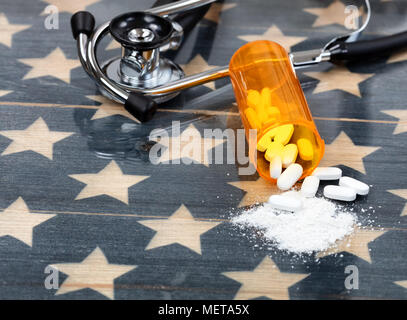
316	227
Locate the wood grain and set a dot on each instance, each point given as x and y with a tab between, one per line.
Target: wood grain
164	232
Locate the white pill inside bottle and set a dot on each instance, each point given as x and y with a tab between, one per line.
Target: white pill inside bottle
289	176
287	203
276	167
360	187
339	193
327	173
310	186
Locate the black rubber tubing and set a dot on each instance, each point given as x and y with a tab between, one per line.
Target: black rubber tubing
368	48
82	22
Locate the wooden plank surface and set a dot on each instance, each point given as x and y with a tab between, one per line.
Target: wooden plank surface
78	191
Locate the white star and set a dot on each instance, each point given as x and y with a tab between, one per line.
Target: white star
402	193
17	221
216	9
113	45
265	280
189	145
274	33
398	57
55	65
37	137
339	78
180	227
402	116
109	108
343	151
109	181
94	272
258	191
7	30
197	65
401	283
333	14
356	243
71	6
4	92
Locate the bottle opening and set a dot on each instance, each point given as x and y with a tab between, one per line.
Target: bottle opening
307	143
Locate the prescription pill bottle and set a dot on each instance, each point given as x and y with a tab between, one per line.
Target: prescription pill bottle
265	67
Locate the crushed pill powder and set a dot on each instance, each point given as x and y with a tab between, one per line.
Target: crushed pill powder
314	228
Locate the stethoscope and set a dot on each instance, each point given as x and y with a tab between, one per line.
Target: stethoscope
141	78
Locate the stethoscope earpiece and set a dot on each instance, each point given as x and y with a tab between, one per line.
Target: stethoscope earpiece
140	106
82	22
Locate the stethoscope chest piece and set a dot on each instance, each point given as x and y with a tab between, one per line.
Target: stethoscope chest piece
142	37
141	77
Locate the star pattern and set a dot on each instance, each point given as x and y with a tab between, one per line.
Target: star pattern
94	272
109	181
355	243
7	30
258	191
71	6
274	33
339	78
197	65
54	65
402	283
181	228
190	144
398	57
333	14
37	137
403	194
94	243
17	221
216	9
266	280
4	92
113	45
109	108
343	151
402	116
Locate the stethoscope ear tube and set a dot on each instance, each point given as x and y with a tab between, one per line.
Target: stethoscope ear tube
367	48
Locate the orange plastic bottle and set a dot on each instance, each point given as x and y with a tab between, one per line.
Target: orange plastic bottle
266	64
